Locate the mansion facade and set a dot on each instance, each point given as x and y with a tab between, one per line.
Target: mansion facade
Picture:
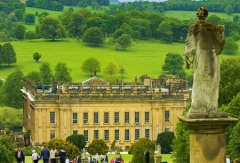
95	108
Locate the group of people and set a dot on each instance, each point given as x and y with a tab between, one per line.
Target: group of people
229	161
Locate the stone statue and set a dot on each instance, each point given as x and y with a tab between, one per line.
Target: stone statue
158	150
204	43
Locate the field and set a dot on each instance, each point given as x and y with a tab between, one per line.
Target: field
127	158
144	57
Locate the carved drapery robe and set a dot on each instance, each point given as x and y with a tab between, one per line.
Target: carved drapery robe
204	43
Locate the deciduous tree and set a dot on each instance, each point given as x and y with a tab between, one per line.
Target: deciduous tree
77	140
62	73
31	35
124	40
111	68
173	64
8	54
91	65
46	72
165	139
34	76
11	117
36	56
97	146
230	47
10	94
93	36
7	149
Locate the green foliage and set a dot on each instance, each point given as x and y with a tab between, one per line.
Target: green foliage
91	65
36	56
46	72
165	139
229	85
19	31
51	28
71	150
30	19
173	64
93	36
112	147
8	55
140	147
77	140
111	68
230	47
97	146
31	35
124	40
11	117
28	150
34	76
1	83
62	73
229	9
10	94
7	149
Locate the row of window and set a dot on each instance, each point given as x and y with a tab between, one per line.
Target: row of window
106	117
106	134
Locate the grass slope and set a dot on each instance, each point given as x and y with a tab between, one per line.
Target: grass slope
144	57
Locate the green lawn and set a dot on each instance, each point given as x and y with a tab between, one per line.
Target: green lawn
144	57
127	158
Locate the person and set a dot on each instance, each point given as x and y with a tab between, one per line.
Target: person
204	42
62	156
228	159
106	158
235	160
147	156
53	154
112	160
19	155
101	158
67	160
89	159
78	159
120	159
35	157
45	154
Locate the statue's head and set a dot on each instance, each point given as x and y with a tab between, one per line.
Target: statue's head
202	13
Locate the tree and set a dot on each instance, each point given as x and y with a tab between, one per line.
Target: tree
229	85
111	68
34	76
140	147
62	73
93	36
124	40
71	150
30	35
112	147
11	117
76	25
19	14
77	140
10	94
92	66
230	47
229	9
51	28
173	64
165	32
30	19
46	72
122	70
36	56
8	54
7	149
19	31
165	139
216	20
97	146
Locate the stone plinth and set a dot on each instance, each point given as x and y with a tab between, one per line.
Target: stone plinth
207	138
158	159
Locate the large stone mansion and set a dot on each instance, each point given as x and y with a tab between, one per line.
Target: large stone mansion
98	109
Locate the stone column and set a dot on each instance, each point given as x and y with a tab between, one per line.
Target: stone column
207	138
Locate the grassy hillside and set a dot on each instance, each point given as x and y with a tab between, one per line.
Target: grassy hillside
144	57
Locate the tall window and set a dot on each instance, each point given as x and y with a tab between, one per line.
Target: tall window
126	117
106	117
136	117
166	115
116	135
52	134
95	134
95	117
52	117
167	129
75	132
147	119
75	120
147	133
127	136
137	134
106	135
85	134
85	118
116	117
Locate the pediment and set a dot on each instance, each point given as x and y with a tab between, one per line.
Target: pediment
95	81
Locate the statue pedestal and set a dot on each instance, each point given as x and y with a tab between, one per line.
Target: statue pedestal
158	159
207	138
84	160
